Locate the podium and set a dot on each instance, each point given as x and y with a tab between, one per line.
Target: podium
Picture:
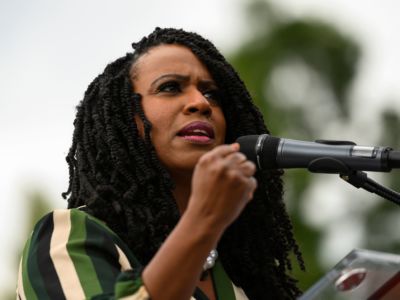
360	275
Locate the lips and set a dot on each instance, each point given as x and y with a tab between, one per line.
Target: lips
198	132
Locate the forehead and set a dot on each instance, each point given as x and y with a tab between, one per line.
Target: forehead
168	59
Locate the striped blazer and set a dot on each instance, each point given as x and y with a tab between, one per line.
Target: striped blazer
72	255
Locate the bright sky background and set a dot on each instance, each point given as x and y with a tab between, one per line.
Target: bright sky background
51	50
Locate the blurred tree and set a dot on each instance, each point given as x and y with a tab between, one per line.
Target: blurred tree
37	206
287	59
299	73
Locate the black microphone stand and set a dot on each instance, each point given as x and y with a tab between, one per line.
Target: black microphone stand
360	179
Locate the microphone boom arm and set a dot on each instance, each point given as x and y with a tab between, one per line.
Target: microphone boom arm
360	179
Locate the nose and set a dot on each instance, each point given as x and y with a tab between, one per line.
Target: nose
197	103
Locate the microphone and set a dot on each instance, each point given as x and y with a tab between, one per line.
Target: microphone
321	156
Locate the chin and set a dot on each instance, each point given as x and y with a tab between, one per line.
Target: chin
183	163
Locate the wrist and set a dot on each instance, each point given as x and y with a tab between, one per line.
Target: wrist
206	227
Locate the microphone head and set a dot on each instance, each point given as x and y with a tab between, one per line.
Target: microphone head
260	149
248	145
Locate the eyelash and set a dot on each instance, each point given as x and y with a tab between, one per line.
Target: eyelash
174	87
169	87
214	95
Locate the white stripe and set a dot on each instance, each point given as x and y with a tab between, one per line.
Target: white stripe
239	293
62	262
123	260
20	285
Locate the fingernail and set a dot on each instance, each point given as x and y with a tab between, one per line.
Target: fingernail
236	146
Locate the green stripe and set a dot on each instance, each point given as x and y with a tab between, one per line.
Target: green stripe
223	284
115	238
127	285
27	286
76	250
104	255
94	219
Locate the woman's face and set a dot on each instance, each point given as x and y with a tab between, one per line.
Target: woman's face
180	99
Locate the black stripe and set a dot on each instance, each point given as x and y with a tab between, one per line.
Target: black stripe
117	241
32	266
199	294
101	249
45	264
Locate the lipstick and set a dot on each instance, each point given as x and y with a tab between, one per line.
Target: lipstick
198	132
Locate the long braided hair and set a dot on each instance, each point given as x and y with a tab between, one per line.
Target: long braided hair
116	173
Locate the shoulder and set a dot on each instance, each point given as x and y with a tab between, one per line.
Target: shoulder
77	231
70	219
64	222
71	254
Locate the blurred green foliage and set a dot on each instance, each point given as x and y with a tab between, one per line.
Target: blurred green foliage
278	41
37	205
331	58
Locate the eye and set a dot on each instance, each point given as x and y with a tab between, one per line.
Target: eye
213	95
169	87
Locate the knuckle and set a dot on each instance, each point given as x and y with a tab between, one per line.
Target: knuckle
234	175
253	167
241	156
206	159
253	182
221	148
250	166
223	169
237	157
217	168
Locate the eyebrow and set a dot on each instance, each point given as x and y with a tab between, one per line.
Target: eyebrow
180	77
172	75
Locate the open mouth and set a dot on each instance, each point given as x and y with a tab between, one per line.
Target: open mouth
197	132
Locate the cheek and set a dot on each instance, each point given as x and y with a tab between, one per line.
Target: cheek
154	110
140	125
221	124
152	113
159	121
160	128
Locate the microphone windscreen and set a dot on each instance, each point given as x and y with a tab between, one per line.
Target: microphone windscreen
248	146
269	152
260	149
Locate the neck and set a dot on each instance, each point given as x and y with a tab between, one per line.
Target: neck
182	191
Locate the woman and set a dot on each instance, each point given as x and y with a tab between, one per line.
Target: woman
157	183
